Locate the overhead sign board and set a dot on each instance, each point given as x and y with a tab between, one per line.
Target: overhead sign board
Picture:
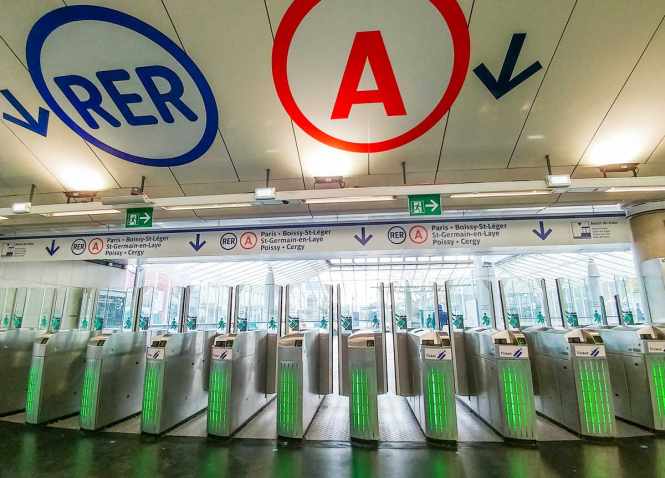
138	217
425	205
319	241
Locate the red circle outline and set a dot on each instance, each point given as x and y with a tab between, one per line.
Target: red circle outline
94	240
245	234
419	227
459	30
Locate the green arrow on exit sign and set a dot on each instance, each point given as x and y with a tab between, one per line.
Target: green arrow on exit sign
425	205
138	217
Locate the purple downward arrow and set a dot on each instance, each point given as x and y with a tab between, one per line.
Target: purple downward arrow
363	238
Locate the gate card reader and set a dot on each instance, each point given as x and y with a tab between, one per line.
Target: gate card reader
113	379
238	387
636	358
499	381
574	387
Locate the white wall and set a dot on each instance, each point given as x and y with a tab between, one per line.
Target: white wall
63	274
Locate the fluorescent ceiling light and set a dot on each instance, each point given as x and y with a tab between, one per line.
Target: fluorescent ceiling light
206	206
21	207
500	194
3	218
636	189
81	213
558	180
263	194
349	199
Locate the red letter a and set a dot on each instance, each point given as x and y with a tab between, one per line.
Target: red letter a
368	47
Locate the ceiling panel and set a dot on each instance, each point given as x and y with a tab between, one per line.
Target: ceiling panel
64	152
231	40
422	154
482	131
635	125
215	165
602	43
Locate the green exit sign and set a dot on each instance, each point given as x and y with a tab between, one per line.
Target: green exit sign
138	217
425	205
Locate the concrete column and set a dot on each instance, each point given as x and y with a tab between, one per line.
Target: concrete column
648	227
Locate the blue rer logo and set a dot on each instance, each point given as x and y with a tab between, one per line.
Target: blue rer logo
122	85
517	353
595	352
441	355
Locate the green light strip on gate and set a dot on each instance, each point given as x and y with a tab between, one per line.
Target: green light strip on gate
595	396
658	374
32	396
517	399
359	400
151	390
437	389
288	398
511	398
218	402
89	393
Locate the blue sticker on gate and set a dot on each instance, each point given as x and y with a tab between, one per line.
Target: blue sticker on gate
122	85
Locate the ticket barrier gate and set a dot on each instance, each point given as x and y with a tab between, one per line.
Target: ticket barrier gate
572	380
56	376
176	379
636	358
499	387
242	379
363	370
304	361
15	358
113	379
430	391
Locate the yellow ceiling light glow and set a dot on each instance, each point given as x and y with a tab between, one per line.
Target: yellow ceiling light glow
620	149
325	161
76	178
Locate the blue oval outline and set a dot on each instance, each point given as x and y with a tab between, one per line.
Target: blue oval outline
61	16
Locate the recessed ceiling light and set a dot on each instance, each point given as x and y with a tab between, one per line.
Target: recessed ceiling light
93	212
500	194
535	137
3	218
349	199
636	189
206	206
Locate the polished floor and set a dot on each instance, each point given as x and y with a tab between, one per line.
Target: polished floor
27	451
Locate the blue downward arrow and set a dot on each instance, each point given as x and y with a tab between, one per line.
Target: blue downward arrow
363	238
506	81
198	245
53	249
542	234
39	125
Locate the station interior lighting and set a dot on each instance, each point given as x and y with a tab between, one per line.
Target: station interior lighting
206	206
81	213
350	199
500	194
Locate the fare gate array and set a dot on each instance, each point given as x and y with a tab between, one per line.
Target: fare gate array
578	377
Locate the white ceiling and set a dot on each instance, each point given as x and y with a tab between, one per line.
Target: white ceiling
599	96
